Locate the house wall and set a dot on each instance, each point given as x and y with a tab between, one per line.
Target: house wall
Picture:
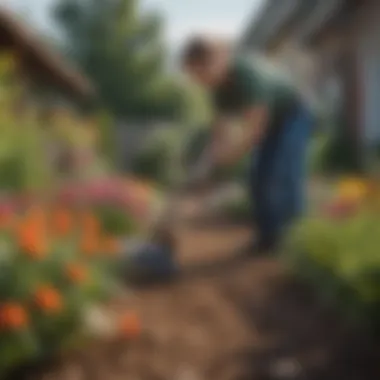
366	37
303	66
354	53
130	139
339	50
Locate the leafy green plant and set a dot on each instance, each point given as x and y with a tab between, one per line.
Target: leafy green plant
115	220
340	257
335	151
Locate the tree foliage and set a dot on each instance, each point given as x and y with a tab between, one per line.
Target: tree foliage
122	52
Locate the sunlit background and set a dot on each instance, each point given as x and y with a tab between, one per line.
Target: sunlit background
181	19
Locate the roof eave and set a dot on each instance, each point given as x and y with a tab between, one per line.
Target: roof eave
272	20
70	79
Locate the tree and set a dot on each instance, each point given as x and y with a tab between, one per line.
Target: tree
122	52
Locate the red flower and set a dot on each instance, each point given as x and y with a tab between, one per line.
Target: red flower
342	209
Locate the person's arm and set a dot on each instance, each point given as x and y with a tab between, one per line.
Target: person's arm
210	155
255	121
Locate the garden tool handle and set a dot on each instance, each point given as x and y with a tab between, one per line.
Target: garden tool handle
198	173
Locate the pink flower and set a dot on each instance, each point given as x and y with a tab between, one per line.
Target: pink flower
111	192
7	210
71	194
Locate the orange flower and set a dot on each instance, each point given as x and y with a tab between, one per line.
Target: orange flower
32	240
48	299
89	245
111	245
130	325
12	316
90	223
62	222
76	273
36	216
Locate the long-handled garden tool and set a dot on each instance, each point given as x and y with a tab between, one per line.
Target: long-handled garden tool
156	258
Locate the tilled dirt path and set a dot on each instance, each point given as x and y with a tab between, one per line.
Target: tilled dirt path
244	321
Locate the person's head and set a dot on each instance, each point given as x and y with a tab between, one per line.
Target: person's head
205	60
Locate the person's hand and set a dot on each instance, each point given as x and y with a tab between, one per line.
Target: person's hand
226	157
199	176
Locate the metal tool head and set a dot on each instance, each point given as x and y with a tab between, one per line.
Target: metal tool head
150	261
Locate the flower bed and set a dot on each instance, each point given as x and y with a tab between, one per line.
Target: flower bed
338	251
54	264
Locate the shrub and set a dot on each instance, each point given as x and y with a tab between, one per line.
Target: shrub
338	251
36	152
24	163
335	151
159	158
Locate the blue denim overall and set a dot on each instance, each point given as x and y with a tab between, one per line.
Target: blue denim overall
277	175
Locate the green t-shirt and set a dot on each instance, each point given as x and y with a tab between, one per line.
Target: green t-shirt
250	82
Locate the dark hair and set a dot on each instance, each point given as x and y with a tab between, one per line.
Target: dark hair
197	50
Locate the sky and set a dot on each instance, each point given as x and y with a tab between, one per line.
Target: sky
183	17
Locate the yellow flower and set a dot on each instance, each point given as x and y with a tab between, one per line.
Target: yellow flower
352	189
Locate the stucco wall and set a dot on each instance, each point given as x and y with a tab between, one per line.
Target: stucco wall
365	28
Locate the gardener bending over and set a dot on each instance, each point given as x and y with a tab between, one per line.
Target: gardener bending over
277	127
